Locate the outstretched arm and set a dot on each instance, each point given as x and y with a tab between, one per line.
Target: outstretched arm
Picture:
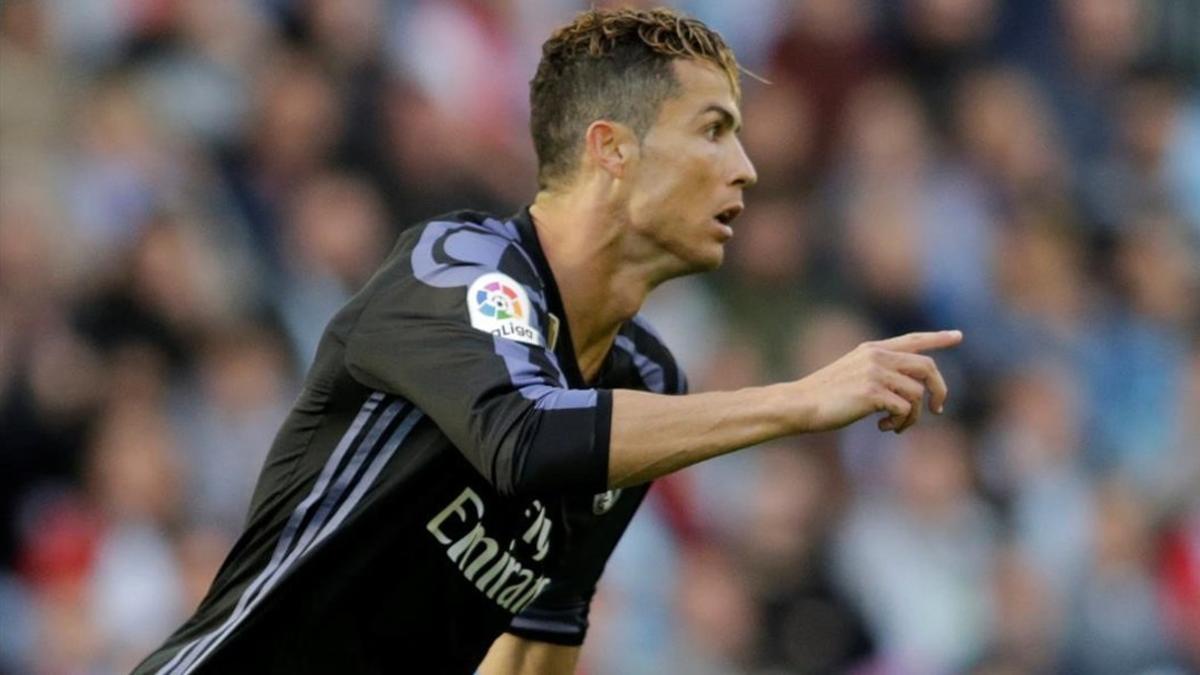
654	435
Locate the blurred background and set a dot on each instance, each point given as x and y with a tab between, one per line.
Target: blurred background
190	188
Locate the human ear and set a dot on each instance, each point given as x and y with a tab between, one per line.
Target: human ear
611	146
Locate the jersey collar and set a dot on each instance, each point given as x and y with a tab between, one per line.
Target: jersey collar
564	349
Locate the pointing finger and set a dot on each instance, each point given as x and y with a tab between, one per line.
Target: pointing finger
919	342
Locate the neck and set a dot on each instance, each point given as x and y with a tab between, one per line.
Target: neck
601	283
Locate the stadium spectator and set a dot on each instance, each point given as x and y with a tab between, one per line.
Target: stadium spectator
1054	214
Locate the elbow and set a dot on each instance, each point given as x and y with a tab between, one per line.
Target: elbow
520	467
509	452
539	457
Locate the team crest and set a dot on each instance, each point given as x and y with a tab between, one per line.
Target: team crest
500	306
603	502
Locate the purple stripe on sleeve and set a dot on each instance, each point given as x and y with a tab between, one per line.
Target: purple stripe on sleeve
530	380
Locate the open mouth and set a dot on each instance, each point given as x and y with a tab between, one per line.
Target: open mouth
726	216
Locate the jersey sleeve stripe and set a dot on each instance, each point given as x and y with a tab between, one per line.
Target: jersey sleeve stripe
530	381
525	623
336	477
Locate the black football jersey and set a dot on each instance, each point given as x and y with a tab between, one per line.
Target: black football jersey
442	477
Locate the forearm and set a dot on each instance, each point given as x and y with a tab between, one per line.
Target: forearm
511	655
654	435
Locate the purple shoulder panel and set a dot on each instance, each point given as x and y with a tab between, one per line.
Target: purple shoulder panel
530	381
472	249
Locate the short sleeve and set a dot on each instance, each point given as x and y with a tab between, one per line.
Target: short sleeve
456	323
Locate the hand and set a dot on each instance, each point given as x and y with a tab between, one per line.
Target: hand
889	376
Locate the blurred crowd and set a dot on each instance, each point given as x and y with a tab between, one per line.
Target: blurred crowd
190	188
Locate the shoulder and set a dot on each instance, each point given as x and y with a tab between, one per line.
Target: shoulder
460	267
655	363
457	248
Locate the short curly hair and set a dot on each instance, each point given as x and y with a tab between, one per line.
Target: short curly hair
612	64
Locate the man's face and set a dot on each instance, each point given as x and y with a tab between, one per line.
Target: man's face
687	183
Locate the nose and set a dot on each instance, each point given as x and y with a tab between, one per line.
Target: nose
744	174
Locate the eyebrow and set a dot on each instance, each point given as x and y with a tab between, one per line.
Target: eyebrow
727	118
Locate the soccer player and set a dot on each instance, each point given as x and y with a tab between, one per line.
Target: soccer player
484	417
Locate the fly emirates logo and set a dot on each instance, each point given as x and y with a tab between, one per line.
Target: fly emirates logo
497	574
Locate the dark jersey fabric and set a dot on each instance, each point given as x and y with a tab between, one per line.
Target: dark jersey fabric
434	484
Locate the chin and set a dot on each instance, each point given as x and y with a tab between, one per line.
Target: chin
695	260
707	261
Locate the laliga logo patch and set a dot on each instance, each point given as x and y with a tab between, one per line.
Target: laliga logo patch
500	306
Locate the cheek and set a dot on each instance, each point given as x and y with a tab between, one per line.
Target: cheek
679	178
